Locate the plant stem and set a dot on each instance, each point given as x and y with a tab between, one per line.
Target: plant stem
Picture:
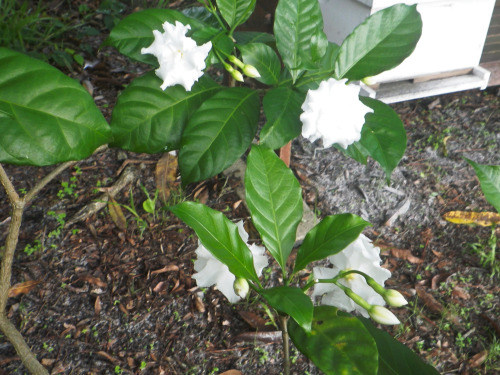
283	319
18	204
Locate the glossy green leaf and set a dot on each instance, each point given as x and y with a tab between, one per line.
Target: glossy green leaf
489	179
313	77
235	12
282	107
246	37
297	24
336	344
274	199
218	133
395	358
329	237
149	119
135	31
45	116
264	59
219	236
291	301
203	15
380	43
383	135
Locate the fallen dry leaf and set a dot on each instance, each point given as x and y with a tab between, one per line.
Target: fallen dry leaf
97	305
116	213
93	280
170	267
255	321
485	219
107	356
232	372
22	288
166	174
460	293
478	359
406	255
429	301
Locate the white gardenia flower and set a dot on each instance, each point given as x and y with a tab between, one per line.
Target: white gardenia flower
362	256
181	60
211	271
334	113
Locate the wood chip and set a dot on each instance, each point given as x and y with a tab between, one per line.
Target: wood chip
264	337
93	280
232	372
97	305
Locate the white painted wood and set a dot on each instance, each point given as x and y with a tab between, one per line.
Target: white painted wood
453	33
393	92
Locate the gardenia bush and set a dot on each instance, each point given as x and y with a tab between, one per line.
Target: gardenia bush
306	85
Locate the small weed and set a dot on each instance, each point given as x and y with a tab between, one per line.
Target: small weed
143	366
118	370
47	347
264	355
33	248
487	253
214	371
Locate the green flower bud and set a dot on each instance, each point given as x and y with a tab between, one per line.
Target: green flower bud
250	71
234	73
237	75
383	316
236	61
391	297
394	298
241	287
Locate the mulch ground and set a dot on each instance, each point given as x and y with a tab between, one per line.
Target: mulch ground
106	299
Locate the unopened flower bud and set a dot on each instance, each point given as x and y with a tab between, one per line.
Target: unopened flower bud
236	61
234	73
369	81
382	315
394	298
250	71
391	297
237	75
241	287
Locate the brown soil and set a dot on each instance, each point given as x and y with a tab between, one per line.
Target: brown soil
112	301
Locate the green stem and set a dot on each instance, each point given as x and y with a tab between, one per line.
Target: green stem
283	319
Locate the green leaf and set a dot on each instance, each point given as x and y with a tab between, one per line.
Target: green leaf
235	12
282	107
336	344
297	24
274	199
218	133
219	236
313	77
135	32
246	37
383	135
45	116
149	119
393	357
264	59
291	301
329	237
380	43
489	179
